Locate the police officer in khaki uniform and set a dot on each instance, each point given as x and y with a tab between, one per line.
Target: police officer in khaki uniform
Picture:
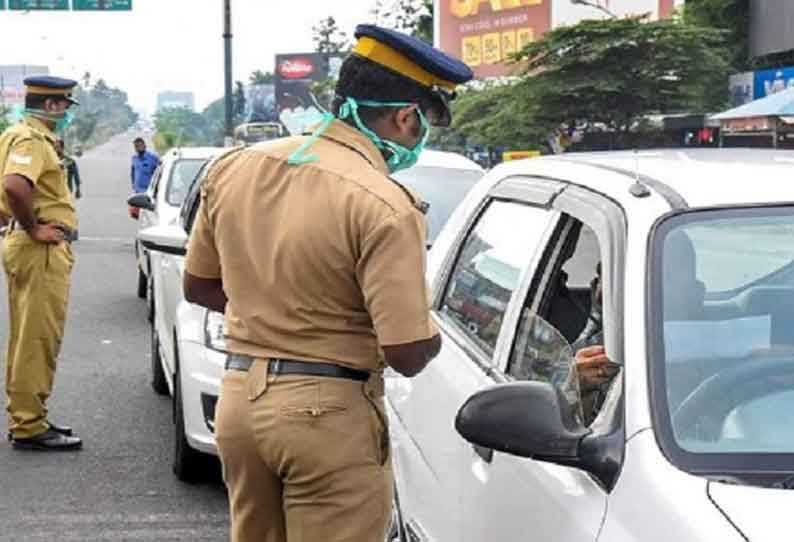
37	259
318	259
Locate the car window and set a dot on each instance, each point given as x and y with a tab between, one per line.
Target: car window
182	175
486	274
726	361
724	269
155	182
193	199
443	188
569	307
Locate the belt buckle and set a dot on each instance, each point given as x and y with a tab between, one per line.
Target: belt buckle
274	367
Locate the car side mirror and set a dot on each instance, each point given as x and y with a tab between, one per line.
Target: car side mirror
167	239
141	201
526	419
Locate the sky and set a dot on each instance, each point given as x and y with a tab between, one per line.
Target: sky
169	44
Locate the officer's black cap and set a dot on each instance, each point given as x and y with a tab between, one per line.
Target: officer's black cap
414	59
50	86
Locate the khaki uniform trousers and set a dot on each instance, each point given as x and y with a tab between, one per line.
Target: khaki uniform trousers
305	459
38	277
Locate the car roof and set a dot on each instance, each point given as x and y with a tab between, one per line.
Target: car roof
431	158
701	177
193	152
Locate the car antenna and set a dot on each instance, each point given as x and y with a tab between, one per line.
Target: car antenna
638	189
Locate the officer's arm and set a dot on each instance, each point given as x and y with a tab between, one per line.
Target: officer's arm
20	198
205	292
391	272
410	359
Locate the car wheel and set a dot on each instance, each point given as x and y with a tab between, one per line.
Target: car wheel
142	289
159	383
189	465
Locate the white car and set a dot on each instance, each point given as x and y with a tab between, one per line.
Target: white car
693	440
161	202
188	340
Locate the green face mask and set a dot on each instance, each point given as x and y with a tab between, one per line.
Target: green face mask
398	156
62	121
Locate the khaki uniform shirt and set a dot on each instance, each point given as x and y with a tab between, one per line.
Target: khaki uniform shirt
320	262
28	149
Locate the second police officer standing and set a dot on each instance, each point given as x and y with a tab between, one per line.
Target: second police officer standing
317	258
37	259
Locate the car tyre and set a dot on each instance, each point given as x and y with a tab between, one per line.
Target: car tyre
159	383
189	465
142	284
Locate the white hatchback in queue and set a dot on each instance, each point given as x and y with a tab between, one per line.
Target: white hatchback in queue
192	364
681	263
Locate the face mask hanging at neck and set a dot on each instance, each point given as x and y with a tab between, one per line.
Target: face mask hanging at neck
62	120
398	156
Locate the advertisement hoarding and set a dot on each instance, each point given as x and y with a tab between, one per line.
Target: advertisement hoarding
299	77
742	88
484	33
260	103
102	5
771	81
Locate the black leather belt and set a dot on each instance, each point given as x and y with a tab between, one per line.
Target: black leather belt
277	366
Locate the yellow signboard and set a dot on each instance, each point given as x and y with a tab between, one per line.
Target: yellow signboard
472	50
492	48
508	44
519	155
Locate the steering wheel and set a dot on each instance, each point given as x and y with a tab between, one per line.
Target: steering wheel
704	410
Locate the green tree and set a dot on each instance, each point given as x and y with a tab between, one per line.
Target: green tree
413	17
103	112
259	77
328	37
611	72
730	16
180	127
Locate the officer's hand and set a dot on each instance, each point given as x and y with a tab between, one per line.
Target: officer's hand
594	367
47	233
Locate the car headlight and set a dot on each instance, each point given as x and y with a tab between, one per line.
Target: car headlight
215	331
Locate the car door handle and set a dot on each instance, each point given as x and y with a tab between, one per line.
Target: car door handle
486	454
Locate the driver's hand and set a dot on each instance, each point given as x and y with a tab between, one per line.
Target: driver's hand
594	367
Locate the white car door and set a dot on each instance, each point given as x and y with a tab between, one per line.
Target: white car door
471	300
509	498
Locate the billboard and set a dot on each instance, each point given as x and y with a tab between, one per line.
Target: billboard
260	103
302	82
769	82
12	87
771	26
484	33
566	12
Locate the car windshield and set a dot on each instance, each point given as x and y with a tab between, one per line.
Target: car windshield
723	311
182	174
443	188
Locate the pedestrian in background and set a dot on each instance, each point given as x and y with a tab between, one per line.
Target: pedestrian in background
37	259
69	165
144	164
317	258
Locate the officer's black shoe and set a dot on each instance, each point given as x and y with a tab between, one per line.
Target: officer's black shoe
48	441
62	429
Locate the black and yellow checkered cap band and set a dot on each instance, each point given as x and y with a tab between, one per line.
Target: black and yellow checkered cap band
384	55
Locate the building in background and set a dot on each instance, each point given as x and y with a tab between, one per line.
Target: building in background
12	88
484	33
771	35
171	98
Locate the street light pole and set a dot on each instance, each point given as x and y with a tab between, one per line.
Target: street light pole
227	40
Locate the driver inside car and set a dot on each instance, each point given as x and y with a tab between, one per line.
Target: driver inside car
595	369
